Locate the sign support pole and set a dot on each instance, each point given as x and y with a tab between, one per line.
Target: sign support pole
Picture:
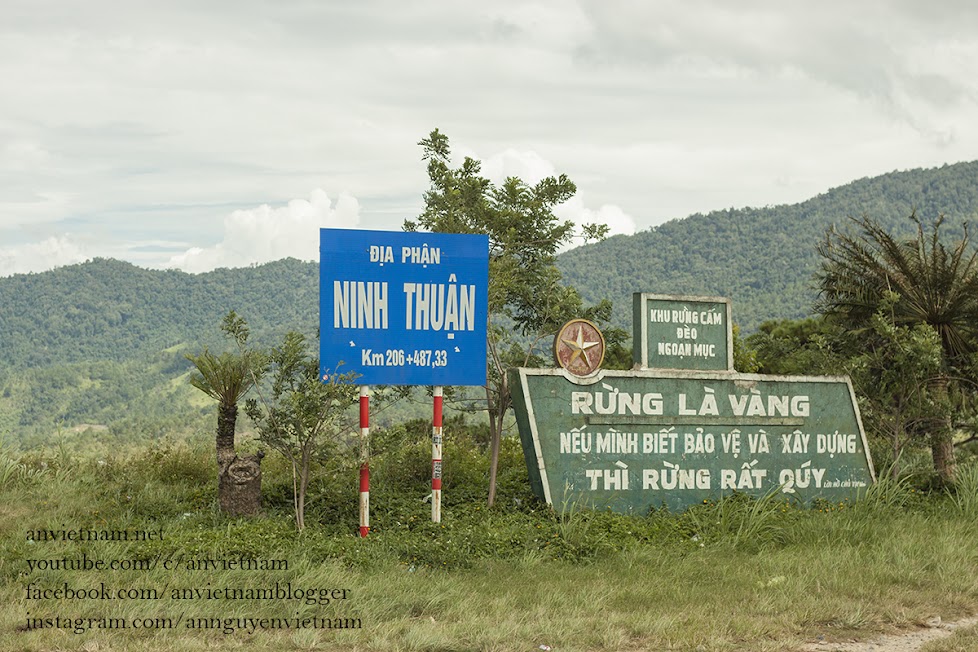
436	442
364	460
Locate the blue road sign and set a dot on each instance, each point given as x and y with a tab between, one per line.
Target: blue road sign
402	308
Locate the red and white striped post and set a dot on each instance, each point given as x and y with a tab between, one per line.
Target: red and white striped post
364	461
436	441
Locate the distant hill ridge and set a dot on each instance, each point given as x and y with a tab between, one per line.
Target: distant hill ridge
108	309
763	259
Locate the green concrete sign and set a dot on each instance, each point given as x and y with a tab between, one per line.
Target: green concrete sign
682	332
634	440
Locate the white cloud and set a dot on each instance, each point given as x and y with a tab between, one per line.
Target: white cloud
263	234
40	256
23	155
900	60
528	166
139	125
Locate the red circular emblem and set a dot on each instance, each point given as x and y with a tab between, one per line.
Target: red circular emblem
579	347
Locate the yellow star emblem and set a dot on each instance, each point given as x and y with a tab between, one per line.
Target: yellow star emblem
579	347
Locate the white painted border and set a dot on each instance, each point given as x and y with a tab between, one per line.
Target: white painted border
537	450
859	420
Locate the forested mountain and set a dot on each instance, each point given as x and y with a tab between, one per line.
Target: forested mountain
103	342
763	258
111	310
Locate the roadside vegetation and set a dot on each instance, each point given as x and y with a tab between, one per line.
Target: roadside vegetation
731	575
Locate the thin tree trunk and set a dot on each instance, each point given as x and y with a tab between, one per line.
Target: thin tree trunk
495	437
227	416
300	506
942	438
942	449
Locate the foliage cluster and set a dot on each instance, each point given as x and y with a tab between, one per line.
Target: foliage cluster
527	299
300	414
900	317
892	369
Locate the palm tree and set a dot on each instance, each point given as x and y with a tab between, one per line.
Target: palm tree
920	281
226	378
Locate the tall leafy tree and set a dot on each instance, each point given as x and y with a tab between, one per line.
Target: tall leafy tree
527	301
810	346
892	374
301	415
920	281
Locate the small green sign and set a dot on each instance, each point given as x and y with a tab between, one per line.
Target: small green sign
631	441
681	332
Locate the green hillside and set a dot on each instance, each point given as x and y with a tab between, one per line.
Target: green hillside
111	310
103	342
762	258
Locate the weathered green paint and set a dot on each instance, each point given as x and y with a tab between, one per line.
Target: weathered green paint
681	332
630	441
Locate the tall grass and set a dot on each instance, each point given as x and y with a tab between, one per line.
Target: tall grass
739	520
889	492
737	574
964	492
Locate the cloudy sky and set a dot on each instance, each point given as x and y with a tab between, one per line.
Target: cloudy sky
218	134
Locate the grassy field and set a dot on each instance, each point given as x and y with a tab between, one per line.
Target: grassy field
965	640
735	575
